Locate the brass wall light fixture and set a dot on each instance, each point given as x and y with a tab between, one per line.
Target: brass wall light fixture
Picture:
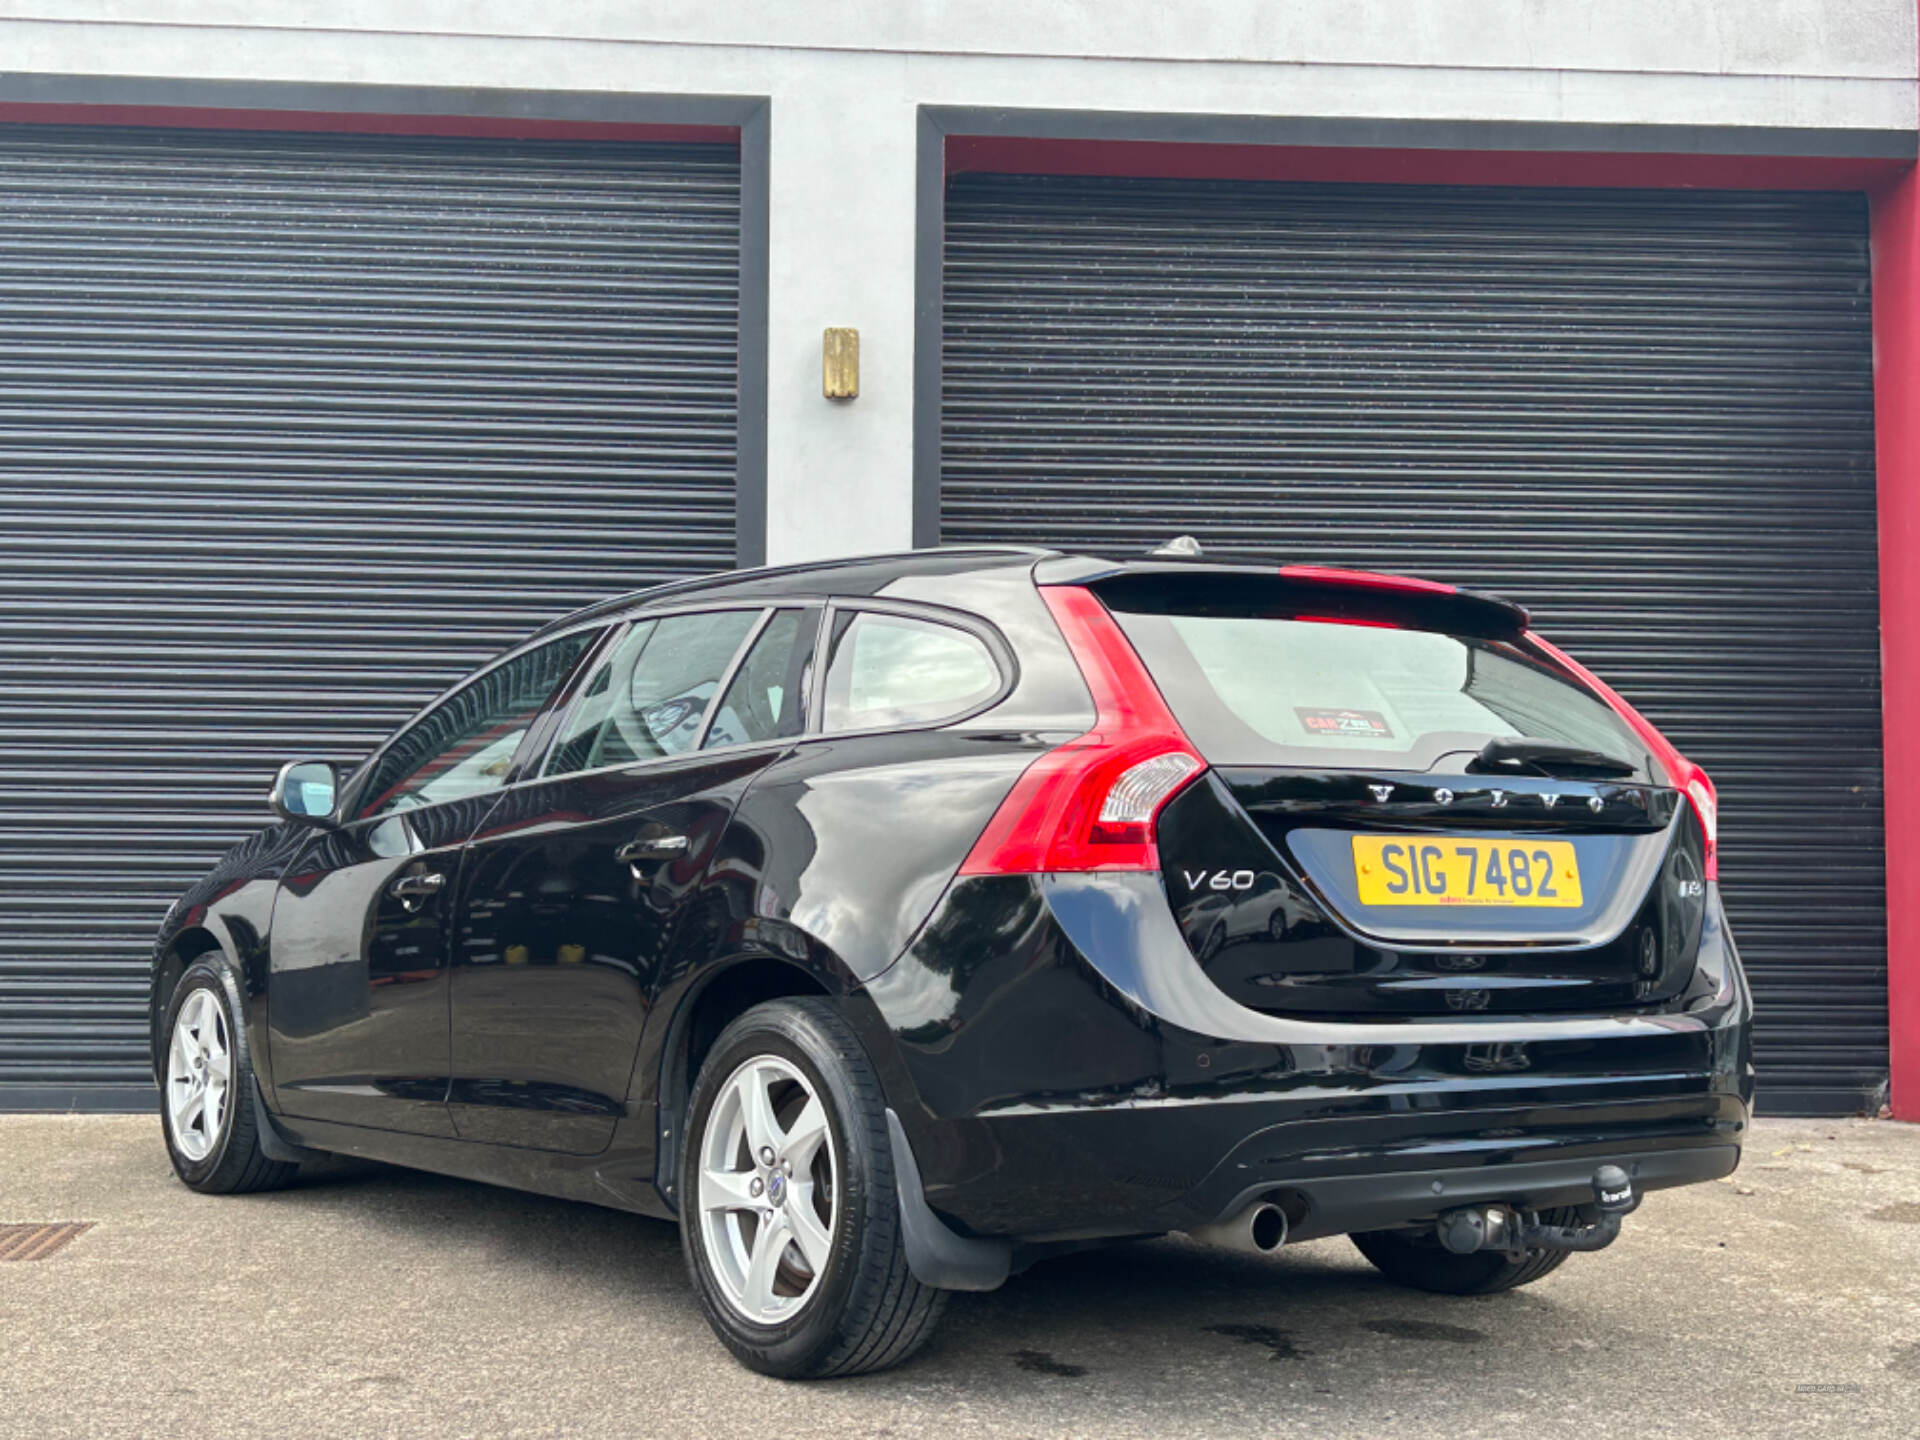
840	364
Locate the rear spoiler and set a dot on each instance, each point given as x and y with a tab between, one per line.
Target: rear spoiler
1356	595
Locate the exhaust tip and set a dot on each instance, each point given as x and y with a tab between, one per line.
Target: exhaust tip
1260	1229
1267	1227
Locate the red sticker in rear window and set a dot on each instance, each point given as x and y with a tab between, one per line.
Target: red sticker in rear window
1361	724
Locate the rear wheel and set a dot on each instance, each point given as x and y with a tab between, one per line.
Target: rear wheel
206	1089
790	1217
1417	1259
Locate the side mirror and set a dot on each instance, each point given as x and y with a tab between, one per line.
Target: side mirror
305	791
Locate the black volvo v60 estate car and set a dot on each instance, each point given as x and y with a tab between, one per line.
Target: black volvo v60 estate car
892	923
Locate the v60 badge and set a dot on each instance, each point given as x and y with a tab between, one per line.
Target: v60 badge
1218	879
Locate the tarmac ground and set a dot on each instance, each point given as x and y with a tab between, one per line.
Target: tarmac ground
372	1301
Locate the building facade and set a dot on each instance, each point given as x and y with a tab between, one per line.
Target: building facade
340	345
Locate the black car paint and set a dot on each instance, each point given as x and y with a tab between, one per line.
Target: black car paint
1085	1096
357	1015
558	945
1061	1063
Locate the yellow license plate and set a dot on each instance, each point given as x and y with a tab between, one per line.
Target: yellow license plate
1449	870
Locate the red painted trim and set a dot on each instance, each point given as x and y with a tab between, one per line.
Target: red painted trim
1896	397
1346	620
502	127
1008	154
1366	580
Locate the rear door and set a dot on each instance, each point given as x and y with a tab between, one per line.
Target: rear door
573	898
357	998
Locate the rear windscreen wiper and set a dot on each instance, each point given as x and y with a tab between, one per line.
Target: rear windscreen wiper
1557	759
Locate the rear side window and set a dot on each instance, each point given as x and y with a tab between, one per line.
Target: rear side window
1264	690
888	670
646	698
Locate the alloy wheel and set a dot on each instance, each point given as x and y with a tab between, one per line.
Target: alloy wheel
769	1190
199	1075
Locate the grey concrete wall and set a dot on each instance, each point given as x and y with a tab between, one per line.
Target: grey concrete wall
846	80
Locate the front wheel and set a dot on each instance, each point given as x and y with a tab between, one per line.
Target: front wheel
206	1089
790	1217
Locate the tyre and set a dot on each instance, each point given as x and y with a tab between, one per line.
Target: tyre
206	1089
1417	1259
790	1217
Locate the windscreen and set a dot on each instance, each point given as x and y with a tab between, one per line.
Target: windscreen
1266	689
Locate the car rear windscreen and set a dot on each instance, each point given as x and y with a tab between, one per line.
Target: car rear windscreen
1305	690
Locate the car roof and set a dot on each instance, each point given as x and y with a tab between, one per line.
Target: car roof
851	575
871	574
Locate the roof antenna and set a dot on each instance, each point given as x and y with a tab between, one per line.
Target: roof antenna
1181	547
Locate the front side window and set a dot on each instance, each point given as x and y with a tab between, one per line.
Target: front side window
647	697
465	744
887	670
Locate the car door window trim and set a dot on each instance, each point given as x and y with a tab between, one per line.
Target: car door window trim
617	633
804	645
356	786
618	628
725	682
533	770
350	788
539	737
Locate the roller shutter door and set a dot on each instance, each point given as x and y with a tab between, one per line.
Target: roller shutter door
1646	415
294	430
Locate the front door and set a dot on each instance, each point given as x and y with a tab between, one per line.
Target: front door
574	893
357	997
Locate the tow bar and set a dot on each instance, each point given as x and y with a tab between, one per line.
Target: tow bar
1472	1228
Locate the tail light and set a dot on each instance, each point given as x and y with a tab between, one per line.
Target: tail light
1706	804
1682	772
1090	804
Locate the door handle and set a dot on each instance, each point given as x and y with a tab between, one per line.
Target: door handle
413	891
652	847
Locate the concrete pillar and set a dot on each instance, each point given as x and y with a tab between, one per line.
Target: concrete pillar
840	253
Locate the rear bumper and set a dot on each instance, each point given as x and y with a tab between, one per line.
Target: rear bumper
1063	1070
1098	1172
